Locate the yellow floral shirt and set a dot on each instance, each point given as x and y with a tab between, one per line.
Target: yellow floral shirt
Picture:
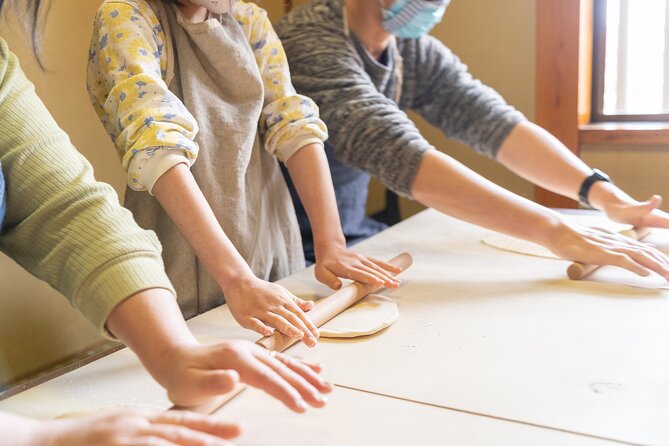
127	74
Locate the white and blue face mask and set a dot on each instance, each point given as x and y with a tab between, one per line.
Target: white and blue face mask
3	198
411	19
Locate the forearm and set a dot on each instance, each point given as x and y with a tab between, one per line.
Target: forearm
536	155
310	173
181	198
450	187
151	324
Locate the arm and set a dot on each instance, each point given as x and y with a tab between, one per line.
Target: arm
291	129
153	132
151	324
62	225
539	157
70	231
311	175
448	186
255	304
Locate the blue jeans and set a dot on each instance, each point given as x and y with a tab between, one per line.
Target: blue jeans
3	199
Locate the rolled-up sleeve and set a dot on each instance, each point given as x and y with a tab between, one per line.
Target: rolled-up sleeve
288	121
126	71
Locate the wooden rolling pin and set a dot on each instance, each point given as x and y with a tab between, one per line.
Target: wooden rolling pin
331	306
325	310
578	271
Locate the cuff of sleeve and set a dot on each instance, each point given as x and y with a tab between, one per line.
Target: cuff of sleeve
158	164
291	147
117	281
500	133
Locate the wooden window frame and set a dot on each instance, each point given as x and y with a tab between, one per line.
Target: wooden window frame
564	36
599	59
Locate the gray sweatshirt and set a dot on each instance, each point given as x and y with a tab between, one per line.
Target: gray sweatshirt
357	95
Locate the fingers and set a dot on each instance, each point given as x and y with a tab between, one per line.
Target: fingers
386	266
298	311
290	325
388	279
307	391
265	378
306	370
197	422
625	261
183	436
326	277
203	385
300	320
259	326
305	305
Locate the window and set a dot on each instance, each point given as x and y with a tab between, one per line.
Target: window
631	60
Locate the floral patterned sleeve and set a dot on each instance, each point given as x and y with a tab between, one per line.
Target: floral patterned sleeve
151	128
289	121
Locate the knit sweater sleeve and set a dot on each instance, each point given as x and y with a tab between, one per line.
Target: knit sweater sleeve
62	225
367	130
446	95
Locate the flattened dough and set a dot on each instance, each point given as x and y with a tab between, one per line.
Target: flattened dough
519	246
370	315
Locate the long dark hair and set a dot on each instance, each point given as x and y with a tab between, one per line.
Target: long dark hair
29	11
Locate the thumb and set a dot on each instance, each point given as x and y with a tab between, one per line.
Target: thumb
653	202
325	276
209	383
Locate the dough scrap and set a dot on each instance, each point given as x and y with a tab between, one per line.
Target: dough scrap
519	246
371	315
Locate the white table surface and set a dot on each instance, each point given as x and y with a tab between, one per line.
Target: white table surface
483	335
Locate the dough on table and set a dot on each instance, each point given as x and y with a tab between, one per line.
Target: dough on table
519	246
372	314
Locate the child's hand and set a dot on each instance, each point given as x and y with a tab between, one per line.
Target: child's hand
263	307
336	260
197	373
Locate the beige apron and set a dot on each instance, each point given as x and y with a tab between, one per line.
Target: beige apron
217	78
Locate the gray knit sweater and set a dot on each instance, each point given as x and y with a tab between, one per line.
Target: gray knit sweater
356	95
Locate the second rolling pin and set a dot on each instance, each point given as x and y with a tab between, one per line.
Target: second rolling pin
578	271
331	306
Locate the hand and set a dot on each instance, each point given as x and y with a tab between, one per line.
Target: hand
601	247
638	213
197	373
622	208
335	260
133	427
263	307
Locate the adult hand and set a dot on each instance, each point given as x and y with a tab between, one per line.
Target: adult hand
335	260
197	373
638	213
622	208
136	428
601	247
264	307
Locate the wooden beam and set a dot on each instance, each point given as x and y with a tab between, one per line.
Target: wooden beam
564	73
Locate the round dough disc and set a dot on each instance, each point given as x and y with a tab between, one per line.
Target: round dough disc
519	246
370	315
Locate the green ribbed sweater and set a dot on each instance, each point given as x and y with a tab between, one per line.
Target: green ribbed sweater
62	225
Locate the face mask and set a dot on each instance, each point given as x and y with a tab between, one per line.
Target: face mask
410	19
215	6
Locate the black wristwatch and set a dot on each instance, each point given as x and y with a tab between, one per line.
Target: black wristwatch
597	175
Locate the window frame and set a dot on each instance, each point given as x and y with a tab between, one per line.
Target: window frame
598	72
564	39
